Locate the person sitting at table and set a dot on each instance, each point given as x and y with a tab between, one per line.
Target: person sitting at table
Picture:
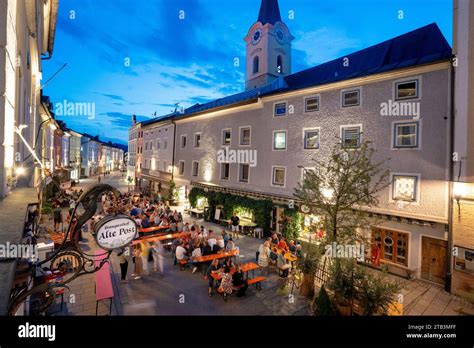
145	221
292	247
226	282
220	242
180	226
230	245
212	241
216	248
164	222
282	244
214	267
195	254
226	237
207	249
228	262
299	251
173	228
238	280
274	238
181	252
186	227
283	265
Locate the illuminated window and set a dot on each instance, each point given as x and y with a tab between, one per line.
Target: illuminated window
393	246
311	139
404	188
279	140
278	176
406	135
406	90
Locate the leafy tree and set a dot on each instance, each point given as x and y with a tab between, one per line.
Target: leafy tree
348	180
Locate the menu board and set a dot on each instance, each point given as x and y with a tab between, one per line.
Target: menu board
464	259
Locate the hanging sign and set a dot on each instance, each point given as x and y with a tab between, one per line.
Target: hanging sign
114	232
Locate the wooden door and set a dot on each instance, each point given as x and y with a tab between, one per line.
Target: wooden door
434	266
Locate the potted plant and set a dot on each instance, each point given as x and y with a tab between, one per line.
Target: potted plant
322	303
344	274
309	265
377	293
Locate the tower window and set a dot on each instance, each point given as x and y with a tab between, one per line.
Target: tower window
255	64
280	64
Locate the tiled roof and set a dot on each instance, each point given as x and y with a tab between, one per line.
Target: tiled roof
421	46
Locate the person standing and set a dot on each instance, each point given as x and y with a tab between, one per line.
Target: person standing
145	253
235	222
158	252
137	257
57	217
264	256
123	266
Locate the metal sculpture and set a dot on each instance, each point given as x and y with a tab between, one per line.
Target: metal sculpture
69	260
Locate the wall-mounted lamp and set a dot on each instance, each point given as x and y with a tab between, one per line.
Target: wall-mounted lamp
459	191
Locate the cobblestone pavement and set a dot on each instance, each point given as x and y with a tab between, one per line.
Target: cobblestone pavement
182	293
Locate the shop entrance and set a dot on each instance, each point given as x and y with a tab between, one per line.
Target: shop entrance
433	266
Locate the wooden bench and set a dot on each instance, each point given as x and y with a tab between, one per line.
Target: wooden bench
103	284
257	281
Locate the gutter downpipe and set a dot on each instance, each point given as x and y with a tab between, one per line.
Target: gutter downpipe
449	252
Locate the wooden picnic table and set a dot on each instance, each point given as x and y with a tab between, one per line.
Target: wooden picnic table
153	229
152	239
246	267
212	257
290	257
197	212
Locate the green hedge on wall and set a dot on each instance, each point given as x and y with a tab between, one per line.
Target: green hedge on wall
293	223
229	203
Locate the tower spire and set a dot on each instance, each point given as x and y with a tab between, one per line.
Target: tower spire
269	12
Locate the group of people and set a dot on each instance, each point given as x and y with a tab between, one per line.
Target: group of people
201	242
273	251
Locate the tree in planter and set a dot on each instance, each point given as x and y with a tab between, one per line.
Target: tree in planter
172	192
309	265
377	293
323	305
343	277
347	180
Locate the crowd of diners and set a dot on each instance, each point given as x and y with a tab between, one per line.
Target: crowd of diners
197	242
274	250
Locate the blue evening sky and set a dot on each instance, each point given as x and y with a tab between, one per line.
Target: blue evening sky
191	60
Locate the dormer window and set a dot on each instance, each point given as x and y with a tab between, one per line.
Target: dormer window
255	64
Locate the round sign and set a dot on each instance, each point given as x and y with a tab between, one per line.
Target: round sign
114	232
305	209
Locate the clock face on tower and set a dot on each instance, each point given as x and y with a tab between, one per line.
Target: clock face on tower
257	35
279	34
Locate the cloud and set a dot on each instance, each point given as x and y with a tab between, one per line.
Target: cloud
324	44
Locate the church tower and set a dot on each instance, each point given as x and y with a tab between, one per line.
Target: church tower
268	47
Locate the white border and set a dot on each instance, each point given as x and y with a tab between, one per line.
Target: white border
286	108
181	141
286	140
192	169
222	136
184	167
392	138
200	140
418	188
271	177
341	127
311	97
354	89
238	172
220	171
240	136
407	79
319	138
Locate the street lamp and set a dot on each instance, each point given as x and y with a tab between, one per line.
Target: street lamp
459	191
